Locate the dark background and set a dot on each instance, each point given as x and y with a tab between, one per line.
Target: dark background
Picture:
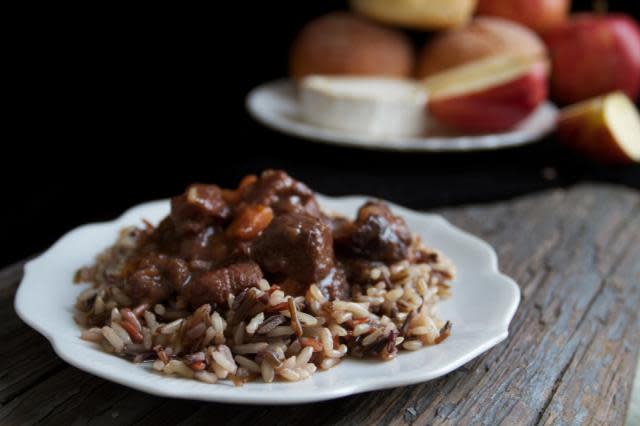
117	106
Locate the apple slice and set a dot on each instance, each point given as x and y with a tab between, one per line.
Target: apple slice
606	128
490	95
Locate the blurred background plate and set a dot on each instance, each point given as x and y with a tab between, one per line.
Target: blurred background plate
275	104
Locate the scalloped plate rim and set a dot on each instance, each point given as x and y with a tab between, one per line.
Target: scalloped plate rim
276	120
177	388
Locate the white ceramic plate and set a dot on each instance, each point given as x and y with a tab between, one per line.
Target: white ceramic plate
275	105
482	305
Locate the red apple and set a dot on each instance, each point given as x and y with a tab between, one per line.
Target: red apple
488	96
539	15
606	128
593	55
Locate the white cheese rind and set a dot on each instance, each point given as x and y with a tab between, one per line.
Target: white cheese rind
365	105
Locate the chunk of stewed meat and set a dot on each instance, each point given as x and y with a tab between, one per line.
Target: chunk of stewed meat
206	244
200	206
377	234
335	284
155	277
298	246
214	287
366	272
278	190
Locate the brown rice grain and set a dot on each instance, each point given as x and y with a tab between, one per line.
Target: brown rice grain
147	338
250	348
120	297
239	333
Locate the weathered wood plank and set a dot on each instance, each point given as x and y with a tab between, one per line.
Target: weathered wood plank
570	359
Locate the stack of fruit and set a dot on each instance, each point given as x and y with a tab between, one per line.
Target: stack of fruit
478	74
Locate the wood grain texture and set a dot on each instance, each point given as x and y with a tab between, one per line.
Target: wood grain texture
570	358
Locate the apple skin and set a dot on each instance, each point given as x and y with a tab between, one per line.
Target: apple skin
586	131
539	15
495	109
593	55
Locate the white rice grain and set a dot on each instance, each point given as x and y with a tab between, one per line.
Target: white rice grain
307	319
412	345
220	371
361	329
289	374
159	309
337	330
342	316
304	356
224	359
254	324
328	363
115	315
113	338
373	337
150	320
172	327
206	377
268	373
327	341
317	294
359	310
122	333
92	335
250	365
395	294
178	367
264	285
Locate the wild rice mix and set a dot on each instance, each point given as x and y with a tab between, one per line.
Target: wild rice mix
261	332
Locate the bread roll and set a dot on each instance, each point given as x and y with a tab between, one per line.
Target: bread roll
482	38
346	44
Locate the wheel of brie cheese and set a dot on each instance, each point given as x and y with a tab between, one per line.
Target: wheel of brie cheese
374	106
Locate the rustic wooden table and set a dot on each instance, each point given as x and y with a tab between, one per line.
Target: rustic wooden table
570	358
